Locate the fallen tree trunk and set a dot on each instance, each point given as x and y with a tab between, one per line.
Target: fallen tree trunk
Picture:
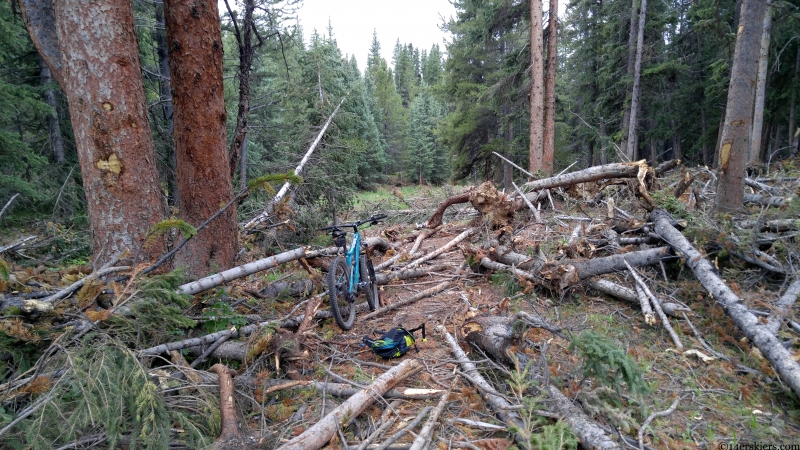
209	282
760	335
373	242
428	292
322	432
285	188
783	307
564	274
765	200
613	170
500	405
495	336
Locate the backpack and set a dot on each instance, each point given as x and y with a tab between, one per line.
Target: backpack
395	342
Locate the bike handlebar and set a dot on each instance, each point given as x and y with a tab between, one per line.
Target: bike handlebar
374	220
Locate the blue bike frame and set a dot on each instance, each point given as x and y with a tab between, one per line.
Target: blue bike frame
353	261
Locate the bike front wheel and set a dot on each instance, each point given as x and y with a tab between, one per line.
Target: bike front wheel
367	271
342	306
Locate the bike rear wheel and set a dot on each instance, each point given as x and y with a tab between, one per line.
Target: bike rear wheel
343	309
367	271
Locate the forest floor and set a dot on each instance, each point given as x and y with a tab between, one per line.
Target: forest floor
738	401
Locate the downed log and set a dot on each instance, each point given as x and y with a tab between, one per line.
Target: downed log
497	339
777	225
467	233
623	293
230	436
500	405
424	436
322	432
764	200
372	242
428	292
261	218
783	307
666	166
613	170
781	359
209	282
405	274
564	274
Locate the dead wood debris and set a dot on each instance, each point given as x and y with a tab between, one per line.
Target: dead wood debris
581	245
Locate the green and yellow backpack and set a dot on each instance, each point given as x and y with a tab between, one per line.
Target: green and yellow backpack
395	342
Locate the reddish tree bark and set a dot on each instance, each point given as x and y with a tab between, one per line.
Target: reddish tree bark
94	56
734	143
203	175
536	155
550	90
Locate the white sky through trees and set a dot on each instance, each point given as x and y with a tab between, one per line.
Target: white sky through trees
413	21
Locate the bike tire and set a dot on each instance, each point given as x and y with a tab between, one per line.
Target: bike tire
371	287
344	311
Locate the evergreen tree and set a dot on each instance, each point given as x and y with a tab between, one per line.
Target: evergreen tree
426	158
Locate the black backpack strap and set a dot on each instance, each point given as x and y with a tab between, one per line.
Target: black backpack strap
421	327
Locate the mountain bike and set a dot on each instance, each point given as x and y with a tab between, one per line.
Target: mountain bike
351	274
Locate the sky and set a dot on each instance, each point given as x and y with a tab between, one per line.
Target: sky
412	21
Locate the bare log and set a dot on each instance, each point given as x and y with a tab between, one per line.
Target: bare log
778	225
614	170
467	233
755	184
13	197
16	245
426	293
783	307
500	405
780	358
230	436
497	339
683	184
616	263
372	242
285	188
78	284
623	293
764	200
564	274
657	306
406	274
424	436
322	432
666	166
241	271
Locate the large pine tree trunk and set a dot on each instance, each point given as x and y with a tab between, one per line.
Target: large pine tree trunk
92	51
637	85
550	90
761	89
203	174
536	155
735	141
